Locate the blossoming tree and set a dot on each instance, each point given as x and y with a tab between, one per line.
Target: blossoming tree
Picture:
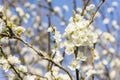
59	40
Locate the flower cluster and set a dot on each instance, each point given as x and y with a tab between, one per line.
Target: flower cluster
22	56
78	33
90	7
55	75
13	60
107	37
6	62
56	33
19	30
15	29
29	77
75	64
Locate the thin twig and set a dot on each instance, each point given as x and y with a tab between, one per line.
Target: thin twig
40	53
76	70
94	13
49	46
74	5
86	4
52	11
10	64
61	67
35	75
29	45
49	24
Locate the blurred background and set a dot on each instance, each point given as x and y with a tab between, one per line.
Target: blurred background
37	15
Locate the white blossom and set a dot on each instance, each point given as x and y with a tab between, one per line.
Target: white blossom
57	9
50	29
13	60
5	64
20	11
19	30
49	75
115	63
98	31
90	7
106	21
104	52
22	68
62	23
105	62
107	37
27	4
115	3
86	68
112	50
79	33
110	9
96	56
75	64
58	57
55	70
113	74
2	26
98	15
32	6
62	76
29	77
90	72
6	67
1	8
99	65
56	33
65	7
69	49
44	63
57	36
81	57
79	10
115	25
49	1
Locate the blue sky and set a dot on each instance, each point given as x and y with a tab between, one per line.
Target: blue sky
68	14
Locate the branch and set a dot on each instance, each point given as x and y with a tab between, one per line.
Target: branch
74	5
18	74
49	40
94	13
35	75
52	11
61	67
85	7
76	70
29	45
40	53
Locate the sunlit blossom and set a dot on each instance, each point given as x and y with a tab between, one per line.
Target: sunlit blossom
74	64
90	7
